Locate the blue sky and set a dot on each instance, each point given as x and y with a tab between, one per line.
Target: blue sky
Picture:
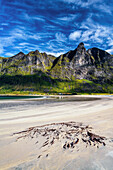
55	26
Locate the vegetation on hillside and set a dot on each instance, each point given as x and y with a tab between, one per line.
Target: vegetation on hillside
41	83
77	71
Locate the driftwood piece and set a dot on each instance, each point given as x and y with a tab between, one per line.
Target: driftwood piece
71	133
77	141
96	138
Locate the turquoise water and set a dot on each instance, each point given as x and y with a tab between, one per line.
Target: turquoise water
19	97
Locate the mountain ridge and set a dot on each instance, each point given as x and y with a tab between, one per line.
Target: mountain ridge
83	64
92	64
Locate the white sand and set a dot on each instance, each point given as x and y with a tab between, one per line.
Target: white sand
23	153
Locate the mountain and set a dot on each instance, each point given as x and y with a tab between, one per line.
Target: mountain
26	64
78	70
91	64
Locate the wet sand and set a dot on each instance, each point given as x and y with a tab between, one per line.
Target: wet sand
24	150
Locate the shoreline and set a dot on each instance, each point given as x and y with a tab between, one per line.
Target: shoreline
60	96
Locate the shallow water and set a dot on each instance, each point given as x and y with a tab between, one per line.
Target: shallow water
5	97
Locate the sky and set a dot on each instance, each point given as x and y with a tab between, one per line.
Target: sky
55	26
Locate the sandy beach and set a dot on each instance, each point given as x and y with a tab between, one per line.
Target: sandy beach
57	134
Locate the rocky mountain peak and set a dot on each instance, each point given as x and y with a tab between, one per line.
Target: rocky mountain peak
81	49
36	52
21	53
17	56
81	45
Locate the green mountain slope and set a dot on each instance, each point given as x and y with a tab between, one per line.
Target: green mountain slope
77	71
22	64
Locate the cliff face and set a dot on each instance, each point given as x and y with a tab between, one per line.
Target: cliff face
92	64
26	64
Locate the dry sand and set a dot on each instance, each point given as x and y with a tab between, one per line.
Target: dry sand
42	150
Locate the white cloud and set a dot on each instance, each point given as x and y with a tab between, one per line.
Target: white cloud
24	34
55	54
110	41
1	49
96	36
86	35
4	24
110	51
101	33
23	44
9	54
66	18
5	42
11	38
60	37
27	17
75	35
91	34
88	23
18	33
82	3
94	32
38	18
69	17
104	8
